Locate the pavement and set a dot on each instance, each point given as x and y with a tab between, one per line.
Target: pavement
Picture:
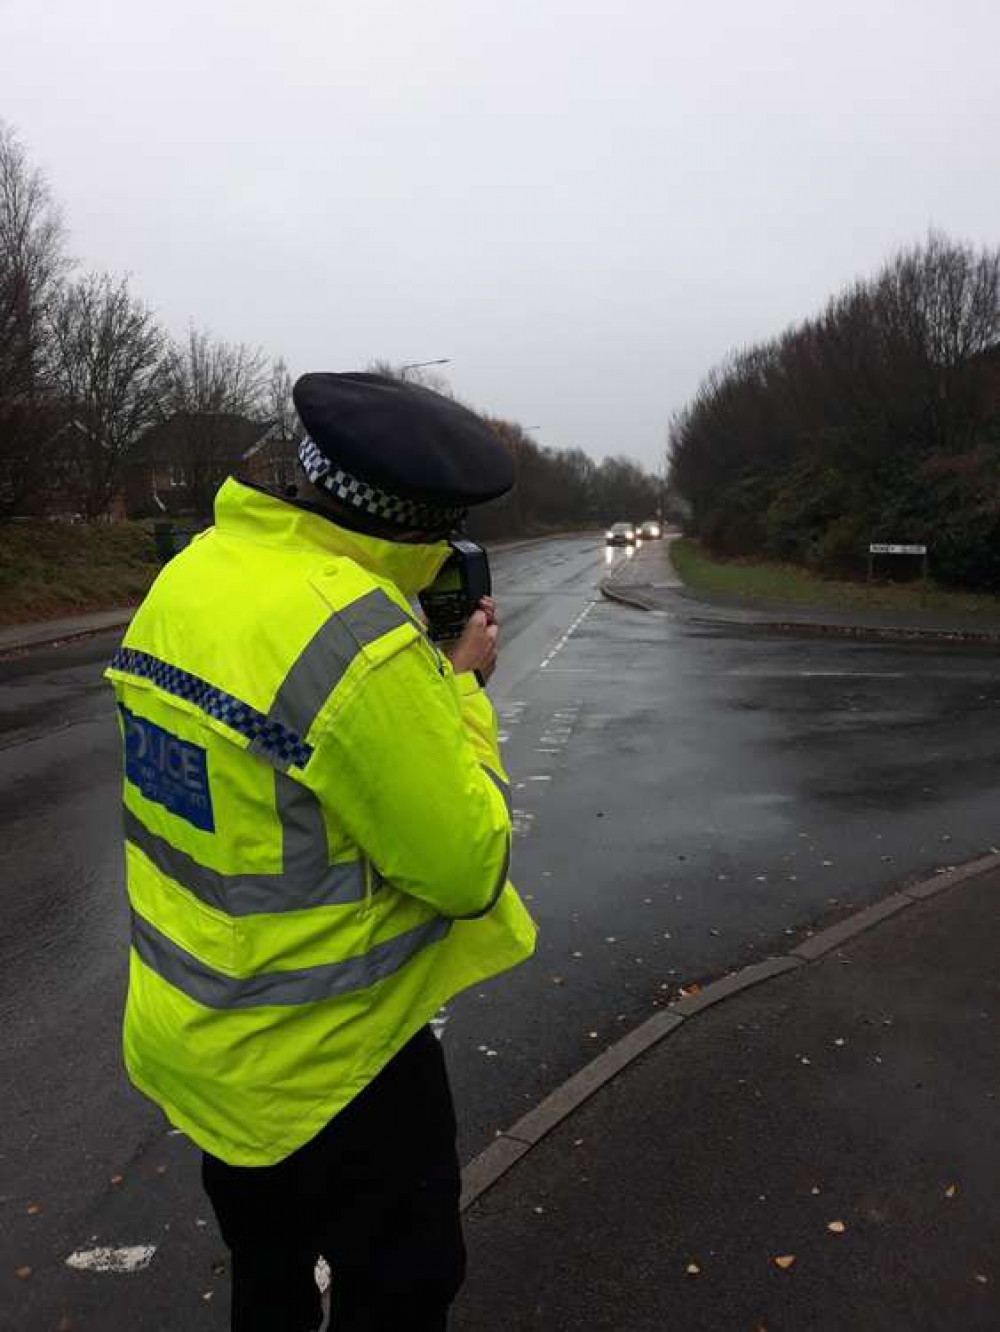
818	1151
649	582
15	638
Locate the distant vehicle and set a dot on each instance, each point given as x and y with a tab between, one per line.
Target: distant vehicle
620	534
650	530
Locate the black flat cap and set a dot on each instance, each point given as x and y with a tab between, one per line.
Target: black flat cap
401	454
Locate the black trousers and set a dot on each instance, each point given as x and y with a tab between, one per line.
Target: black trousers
375	1192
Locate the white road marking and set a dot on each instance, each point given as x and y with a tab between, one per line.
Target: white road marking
764	673
521	821
131	1258
568	634
860	675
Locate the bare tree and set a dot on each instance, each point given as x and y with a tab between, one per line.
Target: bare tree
32	262
107	348
280	407
208	383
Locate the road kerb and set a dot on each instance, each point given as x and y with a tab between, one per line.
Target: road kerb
510	1148
533	1126
818	945
881	633
949	877
726	986
24	647
489	1166
630	595
629	598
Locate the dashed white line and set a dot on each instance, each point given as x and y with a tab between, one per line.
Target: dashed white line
568	634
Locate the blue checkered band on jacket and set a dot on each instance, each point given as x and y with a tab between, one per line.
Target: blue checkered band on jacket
405	513
269	737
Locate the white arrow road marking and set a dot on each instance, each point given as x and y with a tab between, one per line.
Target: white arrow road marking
131	1258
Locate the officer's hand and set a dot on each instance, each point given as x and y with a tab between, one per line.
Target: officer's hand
476	650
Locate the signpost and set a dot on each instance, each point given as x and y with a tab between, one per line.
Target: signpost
896	548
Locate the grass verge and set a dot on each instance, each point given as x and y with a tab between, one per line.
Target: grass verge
52	569
755	579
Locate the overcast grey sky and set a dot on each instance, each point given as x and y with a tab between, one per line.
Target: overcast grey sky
584	205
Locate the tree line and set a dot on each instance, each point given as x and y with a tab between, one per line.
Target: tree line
83	350
561	488
878	420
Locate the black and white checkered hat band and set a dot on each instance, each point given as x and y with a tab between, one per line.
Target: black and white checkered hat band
405	513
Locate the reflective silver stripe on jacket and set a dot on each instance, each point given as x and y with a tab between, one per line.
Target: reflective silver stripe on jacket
300	886
307	985
324	661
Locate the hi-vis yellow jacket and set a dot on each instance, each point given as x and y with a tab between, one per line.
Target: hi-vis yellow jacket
317	825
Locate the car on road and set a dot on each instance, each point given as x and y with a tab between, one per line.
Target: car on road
650	530
620	534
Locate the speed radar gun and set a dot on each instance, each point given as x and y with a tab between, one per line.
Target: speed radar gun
457	591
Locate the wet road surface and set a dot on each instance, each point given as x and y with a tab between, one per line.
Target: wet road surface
686	800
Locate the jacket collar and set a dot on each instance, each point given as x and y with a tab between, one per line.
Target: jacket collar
256	515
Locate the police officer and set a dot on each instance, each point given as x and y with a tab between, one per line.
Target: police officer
318	834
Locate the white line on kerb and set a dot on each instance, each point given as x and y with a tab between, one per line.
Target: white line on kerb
131	1258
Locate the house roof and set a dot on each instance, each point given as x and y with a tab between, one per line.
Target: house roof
231	436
